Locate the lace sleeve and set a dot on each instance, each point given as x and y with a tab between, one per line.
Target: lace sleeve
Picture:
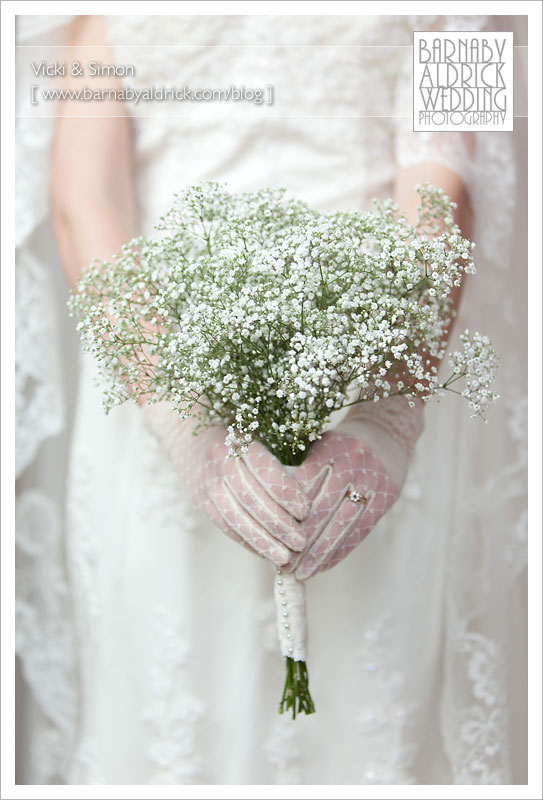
39	402
44	641
455	150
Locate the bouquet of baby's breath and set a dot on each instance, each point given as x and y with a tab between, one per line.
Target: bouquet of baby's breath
266	315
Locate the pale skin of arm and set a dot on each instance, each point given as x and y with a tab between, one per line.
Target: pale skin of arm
92	176
92	186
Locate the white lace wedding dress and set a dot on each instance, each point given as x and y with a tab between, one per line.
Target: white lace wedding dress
146	635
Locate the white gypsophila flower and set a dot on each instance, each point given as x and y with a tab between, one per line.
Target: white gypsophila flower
476	363
263	313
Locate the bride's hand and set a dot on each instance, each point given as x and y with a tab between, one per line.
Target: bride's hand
354	474
251	498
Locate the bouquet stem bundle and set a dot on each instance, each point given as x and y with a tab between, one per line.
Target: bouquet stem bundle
296	696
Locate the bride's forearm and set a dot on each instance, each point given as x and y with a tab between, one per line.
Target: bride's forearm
96	229
92	192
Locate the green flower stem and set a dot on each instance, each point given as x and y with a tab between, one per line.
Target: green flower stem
296	695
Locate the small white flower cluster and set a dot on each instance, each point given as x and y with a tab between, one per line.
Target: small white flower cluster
476	363
264	313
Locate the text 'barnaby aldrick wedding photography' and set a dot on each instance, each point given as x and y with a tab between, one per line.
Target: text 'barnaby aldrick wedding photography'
462	81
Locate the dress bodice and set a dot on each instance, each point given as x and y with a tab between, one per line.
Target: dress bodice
329	134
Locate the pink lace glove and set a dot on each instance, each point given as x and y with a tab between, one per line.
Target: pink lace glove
252	498
354	474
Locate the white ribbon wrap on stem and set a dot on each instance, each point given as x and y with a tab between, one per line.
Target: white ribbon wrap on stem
291	611
291	615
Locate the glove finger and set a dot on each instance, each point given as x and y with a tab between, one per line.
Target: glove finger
284	489
328	492
248	529
335	533
381	497
330	484
354	537
345	547
210	509
259	505
331	494
315	485
382	492
309	470
380	500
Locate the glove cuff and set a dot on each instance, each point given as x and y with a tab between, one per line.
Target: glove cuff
391	427
401	418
